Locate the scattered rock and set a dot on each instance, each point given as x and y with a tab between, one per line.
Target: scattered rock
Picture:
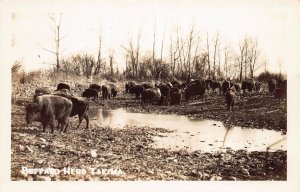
93	153
245	171
28	149
232	178
215	178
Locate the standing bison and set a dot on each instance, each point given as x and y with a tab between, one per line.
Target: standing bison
49	108
226	86
194	89
137	90
272	85
175	98
230	99
106	92
129	85
63	86
80	107
165	91
90	93
247	85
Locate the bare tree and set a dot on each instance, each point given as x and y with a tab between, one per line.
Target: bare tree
189	49
133	54
241	57
208	55
216	42
252	57
99	63
57	38
153	50
111	62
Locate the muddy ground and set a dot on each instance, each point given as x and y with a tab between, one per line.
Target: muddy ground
126	154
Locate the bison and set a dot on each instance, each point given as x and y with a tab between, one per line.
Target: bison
147	85
88	93
129	85
237	87
48	108
194	89
106	92
137	90
80	107
175	98
226	86
63	86
175	84
42	91
95	86
230	99
165	91
247	85
272	85
150	95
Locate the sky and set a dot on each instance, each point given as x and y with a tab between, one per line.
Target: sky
31	33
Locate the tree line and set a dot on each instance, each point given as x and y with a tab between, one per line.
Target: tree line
190	55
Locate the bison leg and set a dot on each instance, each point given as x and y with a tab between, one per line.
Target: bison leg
86	117
44	124
66	126
80	117
52	125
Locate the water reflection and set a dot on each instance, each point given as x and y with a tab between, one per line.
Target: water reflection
204	135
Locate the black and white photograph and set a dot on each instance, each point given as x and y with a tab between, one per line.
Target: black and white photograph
148	91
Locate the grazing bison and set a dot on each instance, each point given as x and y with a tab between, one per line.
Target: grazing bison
137	90
80	107
247	85
175	98
150	95
95	86
272	85
48	108
129	85
63	86
230	99
88	93
106	92
197	88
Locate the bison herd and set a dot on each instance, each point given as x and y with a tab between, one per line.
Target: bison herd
48	107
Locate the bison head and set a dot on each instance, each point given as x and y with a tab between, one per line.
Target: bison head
32	112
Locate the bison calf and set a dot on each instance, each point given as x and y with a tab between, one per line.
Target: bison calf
230	99
48	108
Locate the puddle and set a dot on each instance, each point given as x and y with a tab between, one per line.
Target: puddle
204	135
